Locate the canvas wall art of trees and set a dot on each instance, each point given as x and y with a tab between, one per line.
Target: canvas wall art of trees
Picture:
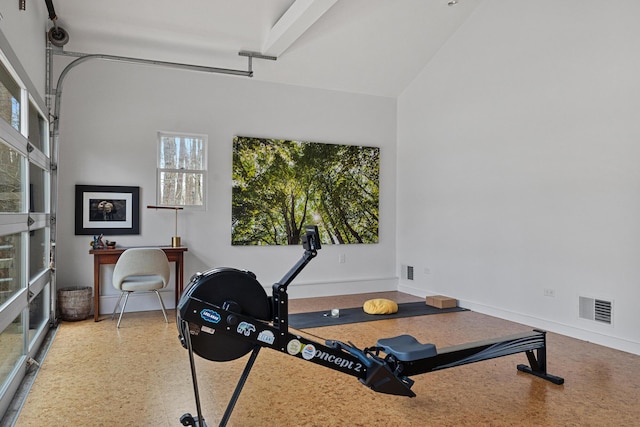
279	186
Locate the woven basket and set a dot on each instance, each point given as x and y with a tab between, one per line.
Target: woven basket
74	303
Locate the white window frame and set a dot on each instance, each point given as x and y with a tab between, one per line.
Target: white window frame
42	283
203	172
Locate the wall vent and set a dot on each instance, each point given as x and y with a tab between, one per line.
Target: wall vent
406	272
596	309
409	272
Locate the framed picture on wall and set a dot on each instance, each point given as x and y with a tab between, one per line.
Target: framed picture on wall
279	185
107	209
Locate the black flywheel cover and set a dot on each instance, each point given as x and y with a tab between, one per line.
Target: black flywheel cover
243	292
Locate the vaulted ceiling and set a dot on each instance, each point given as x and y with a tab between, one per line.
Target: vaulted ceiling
372	47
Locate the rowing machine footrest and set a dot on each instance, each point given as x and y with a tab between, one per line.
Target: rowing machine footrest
406	348
381	379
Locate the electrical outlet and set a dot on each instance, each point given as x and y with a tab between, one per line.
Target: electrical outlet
549	293
342	258
427	270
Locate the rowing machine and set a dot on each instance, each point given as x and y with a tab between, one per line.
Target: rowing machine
225	313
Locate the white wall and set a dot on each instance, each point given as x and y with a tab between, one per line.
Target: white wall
110	115
26	33
518	166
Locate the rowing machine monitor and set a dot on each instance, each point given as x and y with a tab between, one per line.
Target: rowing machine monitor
311	238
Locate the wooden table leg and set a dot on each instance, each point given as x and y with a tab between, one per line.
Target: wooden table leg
96	287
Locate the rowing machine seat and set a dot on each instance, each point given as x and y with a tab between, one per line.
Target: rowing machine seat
406	348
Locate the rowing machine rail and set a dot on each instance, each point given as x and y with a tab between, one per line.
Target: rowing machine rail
225	314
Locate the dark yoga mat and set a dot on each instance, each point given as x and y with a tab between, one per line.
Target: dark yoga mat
317	319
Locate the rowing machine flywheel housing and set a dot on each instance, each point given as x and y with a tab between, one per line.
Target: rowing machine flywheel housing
235	290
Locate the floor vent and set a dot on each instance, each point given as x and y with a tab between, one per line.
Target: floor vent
596	309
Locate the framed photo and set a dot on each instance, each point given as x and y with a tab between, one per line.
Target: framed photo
280	182
107	209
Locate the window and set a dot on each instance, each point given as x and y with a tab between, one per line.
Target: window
38	129
182	169
9	98
11	274
25	237
11	180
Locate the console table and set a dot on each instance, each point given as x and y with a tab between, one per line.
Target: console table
110	256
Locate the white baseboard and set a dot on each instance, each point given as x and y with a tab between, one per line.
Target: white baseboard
404	288
556	327
539	323
347	287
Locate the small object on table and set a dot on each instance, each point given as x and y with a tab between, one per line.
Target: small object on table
97	242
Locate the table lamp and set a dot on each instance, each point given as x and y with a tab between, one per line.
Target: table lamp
175	240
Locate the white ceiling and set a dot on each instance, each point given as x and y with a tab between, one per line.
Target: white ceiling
373	47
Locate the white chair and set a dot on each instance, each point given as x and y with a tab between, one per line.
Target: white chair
140	269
